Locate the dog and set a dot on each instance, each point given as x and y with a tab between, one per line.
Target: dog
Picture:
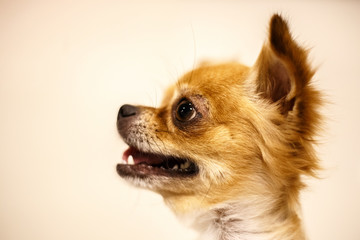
229	144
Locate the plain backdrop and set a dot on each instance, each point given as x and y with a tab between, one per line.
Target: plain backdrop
67	66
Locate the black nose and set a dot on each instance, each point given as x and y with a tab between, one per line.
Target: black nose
127	111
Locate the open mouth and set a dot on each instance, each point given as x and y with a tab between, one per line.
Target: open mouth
139	164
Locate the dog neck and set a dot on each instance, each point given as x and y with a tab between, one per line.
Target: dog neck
247	221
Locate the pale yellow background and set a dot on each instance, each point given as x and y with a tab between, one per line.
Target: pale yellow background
67	66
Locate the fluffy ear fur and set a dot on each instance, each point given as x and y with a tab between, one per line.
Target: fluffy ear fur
283	77
282	67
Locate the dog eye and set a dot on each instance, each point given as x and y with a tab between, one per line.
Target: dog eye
185	111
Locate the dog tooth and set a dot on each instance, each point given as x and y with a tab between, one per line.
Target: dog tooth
187	164
175	167
131	160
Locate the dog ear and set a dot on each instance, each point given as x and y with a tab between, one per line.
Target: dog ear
281	69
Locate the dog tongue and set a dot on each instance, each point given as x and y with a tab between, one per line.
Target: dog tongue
140	157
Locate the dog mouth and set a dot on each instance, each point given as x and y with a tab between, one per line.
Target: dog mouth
136	163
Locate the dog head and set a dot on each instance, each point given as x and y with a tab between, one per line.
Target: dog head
227	131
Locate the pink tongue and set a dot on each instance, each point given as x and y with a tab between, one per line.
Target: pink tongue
140	157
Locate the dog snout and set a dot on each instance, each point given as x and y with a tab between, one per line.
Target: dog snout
127	111
126	117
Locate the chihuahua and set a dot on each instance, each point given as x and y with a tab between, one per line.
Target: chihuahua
229	144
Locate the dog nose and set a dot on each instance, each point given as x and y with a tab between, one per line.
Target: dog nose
127	111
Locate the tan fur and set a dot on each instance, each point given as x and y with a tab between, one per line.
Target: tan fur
252	143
